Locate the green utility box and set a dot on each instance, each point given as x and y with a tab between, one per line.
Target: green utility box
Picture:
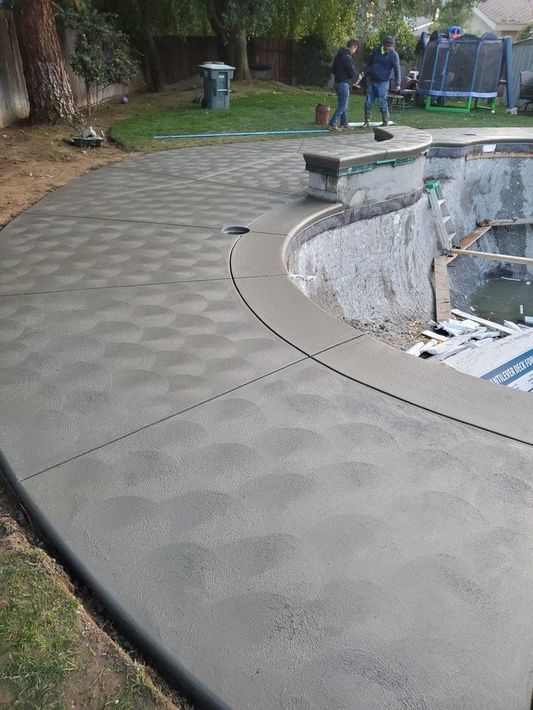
217	77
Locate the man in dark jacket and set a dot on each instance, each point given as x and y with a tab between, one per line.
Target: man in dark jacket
345	75
383	62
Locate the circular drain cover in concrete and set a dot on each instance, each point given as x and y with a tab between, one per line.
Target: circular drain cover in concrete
235	230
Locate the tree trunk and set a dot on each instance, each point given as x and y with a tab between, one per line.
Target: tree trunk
153	70
361	34
240	45
47	82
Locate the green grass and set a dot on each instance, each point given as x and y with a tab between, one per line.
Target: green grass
419	118
258	112
135	695
274	111
37	631
44	660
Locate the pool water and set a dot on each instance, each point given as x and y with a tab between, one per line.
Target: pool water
500	299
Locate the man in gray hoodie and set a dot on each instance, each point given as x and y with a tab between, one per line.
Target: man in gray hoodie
345	75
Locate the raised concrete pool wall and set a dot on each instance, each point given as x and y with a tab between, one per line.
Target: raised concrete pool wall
376	270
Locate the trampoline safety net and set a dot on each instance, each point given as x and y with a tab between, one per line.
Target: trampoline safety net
467	67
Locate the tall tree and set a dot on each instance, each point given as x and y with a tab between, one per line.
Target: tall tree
455	12
144	20
234	21
47	81
447	12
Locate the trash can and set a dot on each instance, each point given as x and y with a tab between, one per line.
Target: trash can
217	78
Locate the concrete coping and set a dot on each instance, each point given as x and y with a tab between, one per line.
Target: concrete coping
464	137
386	146
259	270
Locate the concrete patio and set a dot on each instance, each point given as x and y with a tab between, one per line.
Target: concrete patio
260	494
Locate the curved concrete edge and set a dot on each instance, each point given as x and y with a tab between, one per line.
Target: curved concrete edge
464	137
434	386
282	307
387	145
292	218
258	266
189	684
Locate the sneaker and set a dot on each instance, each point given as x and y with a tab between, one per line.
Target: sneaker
331	127
346	127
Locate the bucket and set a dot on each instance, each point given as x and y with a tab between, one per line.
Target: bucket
322	114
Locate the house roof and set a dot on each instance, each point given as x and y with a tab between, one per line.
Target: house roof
503	12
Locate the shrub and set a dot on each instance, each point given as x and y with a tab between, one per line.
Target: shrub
402	32
102	54
312	63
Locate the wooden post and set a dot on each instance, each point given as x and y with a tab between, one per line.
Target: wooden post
442	288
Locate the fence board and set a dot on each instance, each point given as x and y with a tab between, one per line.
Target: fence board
522	61
180	57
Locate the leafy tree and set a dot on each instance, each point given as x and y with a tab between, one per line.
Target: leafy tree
401	30
448	12
312	62
102	53
455	12
143	20
333	21
234	21
371	19
288	20
47	82
525	33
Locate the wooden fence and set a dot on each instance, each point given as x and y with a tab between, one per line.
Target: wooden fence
180	57
179	60
276	53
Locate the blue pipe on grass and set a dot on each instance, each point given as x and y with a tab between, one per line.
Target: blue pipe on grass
249	133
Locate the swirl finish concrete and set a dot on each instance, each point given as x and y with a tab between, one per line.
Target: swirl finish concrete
276	534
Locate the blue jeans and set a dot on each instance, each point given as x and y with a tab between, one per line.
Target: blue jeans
377	90
342	89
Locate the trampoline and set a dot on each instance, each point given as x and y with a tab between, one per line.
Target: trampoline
468	68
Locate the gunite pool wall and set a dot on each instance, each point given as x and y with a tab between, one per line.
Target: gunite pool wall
374	270
493	181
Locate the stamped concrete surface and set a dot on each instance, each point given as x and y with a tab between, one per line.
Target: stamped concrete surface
276	534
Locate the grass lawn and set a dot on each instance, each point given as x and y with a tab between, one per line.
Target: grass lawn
283	108
52	653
